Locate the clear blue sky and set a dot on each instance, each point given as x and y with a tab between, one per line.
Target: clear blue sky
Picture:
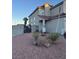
23	8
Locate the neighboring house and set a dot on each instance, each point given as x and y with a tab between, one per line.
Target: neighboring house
48	18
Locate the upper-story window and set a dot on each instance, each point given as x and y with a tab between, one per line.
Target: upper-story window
41	12
34	21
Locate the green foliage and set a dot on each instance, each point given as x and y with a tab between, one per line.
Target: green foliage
53	36
25	19
35	35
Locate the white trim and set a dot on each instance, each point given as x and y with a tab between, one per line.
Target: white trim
44	28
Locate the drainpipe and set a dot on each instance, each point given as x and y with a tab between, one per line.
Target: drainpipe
57	24
58	19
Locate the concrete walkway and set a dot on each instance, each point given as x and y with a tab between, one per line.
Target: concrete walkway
22	48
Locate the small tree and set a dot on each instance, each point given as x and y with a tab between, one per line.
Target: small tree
25	22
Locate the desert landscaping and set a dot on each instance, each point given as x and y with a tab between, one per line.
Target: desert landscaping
23	48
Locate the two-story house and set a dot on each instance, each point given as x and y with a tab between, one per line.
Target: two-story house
34	19
48	18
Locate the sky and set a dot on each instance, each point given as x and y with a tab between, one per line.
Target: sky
23	8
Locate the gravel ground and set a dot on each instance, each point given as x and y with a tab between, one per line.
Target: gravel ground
22	48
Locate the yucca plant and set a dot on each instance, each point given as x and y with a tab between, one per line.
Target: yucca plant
53	36
35	35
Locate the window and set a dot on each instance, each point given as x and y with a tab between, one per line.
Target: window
41	12
34	21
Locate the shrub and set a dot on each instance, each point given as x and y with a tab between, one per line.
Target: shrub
35	35
53	36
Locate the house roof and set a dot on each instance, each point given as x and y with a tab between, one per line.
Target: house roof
57	5
52	7
40	7
48	18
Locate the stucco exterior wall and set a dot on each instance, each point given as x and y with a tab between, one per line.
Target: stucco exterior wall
34	20
64	6
55	11
47	10
52	24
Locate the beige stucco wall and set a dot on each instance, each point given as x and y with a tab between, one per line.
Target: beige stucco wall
55	11
47	10
34	20
64	6
51	25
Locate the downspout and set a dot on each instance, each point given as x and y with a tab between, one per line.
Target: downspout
58	19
